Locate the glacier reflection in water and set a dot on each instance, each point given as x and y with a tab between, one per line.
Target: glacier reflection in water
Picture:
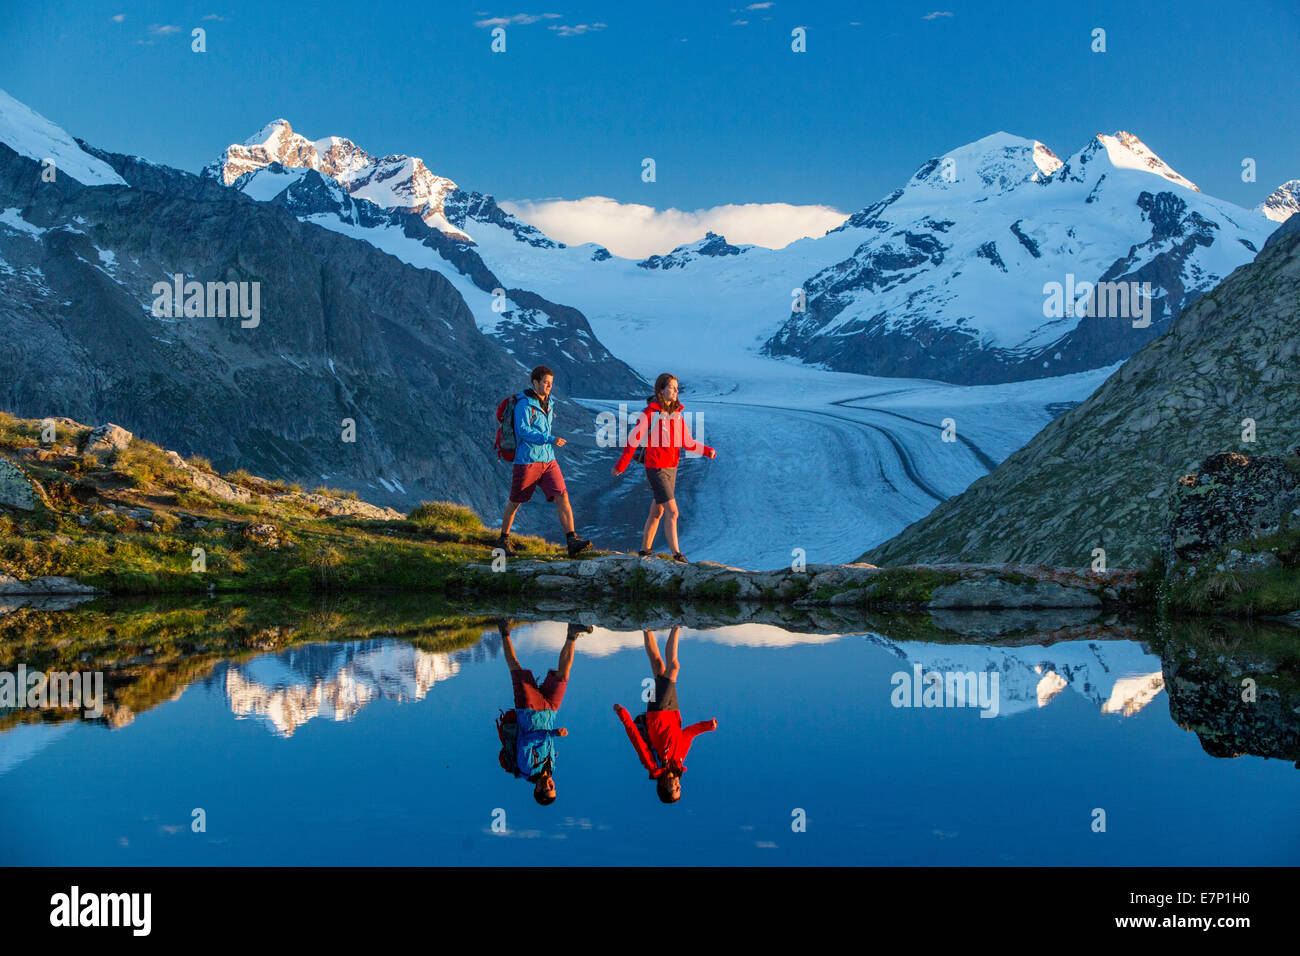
382	751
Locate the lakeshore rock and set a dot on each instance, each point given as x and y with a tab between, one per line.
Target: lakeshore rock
937	587
43	585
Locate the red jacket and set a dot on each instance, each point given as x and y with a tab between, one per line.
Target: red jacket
668	742
664	435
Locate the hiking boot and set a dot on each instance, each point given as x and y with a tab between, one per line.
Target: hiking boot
680	558
647	553
578	629
577	545
504	543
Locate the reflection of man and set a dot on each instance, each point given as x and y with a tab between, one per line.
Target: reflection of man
531	752
657	735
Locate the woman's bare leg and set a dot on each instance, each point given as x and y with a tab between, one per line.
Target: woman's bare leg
652	652
652	525
671	667
670	526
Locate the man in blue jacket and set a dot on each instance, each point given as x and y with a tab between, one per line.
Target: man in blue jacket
535	464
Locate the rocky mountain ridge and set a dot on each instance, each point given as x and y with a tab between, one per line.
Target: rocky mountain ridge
1224	377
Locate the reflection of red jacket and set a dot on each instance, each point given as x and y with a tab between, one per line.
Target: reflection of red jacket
668	741
664	435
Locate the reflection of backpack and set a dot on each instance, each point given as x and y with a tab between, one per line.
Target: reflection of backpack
508	732
506	443
639	722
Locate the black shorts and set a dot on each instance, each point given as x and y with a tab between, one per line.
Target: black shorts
663	482
665	694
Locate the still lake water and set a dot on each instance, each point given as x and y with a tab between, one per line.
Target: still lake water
382	751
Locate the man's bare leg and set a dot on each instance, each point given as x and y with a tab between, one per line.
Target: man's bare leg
509	518
508	651
566	512
566	657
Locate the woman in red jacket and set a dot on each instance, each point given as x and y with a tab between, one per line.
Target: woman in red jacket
659	738
662	431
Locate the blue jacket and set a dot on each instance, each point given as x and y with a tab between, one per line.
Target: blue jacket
536	741
533	430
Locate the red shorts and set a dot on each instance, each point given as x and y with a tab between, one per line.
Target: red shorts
541	474
529	696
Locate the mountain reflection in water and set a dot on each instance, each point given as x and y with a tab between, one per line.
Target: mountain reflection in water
377	718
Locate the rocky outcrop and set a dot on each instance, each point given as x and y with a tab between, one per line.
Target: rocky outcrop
1099	475
1232	498
349	507
941	587
43	585
16	489
209	483
106	441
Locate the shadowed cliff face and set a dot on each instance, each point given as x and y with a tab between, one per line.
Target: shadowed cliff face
344	332
1100	475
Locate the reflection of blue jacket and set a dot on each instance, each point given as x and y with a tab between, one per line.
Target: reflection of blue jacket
536	741
533	430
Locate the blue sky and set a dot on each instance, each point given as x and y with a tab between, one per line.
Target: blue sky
729	112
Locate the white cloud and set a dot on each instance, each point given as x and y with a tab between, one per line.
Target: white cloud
119	17
518	18
635	231
937	13
759	6
577	29
164	30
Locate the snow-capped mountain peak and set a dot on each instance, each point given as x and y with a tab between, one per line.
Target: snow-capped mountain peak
1283	202
271	133
391	182
991	165
1126	151
30	134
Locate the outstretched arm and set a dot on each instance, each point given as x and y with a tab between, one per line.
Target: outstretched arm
689	734
690	444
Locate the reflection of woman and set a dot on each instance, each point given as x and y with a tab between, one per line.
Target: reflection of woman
662	431
528	747
658	736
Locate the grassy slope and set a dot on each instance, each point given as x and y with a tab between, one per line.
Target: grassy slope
91	528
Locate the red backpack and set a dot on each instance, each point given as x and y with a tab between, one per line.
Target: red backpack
506	443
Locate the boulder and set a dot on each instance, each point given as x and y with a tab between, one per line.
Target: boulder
106	440
16	489
990	591
337	506
1231	498
217	487
43	585
554	582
